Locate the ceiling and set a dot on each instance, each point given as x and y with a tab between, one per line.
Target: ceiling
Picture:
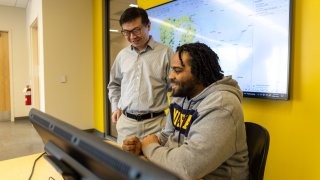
14	3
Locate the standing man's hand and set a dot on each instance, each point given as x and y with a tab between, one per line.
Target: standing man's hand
132	145
115	115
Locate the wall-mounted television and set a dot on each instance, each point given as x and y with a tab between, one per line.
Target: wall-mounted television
251	37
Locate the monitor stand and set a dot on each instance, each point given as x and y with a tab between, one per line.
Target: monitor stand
59	160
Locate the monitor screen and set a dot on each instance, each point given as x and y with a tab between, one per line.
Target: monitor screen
251	38
79	155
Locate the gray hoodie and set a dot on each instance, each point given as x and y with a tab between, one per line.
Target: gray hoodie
205	136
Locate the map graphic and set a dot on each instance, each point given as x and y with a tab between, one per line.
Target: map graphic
251	37
173	38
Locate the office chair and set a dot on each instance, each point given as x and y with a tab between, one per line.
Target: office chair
258	145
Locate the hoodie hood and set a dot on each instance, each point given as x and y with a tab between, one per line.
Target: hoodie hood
225	84
223	94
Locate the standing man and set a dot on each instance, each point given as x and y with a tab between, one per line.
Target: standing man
205	134
138	79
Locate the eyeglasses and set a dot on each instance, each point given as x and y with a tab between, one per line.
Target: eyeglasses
136	31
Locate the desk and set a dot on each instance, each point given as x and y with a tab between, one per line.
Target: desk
20	168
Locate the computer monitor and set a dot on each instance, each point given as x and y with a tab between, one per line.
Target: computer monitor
79	155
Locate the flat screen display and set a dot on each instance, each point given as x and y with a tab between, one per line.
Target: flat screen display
251	38
79	155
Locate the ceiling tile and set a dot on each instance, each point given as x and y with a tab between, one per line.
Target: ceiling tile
14	3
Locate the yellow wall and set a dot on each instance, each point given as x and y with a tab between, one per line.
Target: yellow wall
294	125
98	65
148	4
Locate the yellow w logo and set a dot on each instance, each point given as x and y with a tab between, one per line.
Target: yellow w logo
180	119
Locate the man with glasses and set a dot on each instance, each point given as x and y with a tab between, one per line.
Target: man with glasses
138	79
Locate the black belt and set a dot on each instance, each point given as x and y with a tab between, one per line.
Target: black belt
141	117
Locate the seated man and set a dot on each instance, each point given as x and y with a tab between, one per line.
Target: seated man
205	134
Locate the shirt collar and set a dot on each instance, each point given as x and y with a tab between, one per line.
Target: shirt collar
150	44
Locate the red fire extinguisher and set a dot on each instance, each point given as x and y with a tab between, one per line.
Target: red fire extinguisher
27	95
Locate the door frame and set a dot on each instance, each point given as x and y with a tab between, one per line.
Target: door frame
34	66
9	31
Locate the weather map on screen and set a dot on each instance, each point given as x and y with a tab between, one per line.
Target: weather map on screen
251	37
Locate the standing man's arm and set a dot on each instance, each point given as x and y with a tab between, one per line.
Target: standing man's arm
114	88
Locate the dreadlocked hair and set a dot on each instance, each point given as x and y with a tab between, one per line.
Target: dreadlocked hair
204	62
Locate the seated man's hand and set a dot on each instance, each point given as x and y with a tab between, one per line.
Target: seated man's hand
132	144
150	139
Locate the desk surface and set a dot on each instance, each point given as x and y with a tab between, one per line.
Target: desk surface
21	168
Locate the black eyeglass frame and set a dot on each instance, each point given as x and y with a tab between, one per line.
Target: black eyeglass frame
135	31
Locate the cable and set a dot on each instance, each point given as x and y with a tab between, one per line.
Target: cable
34	165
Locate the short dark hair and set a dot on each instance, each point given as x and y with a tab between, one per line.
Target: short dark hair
133	13
204	62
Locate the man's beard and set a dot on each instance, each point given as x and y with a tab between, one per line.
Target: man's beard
182	90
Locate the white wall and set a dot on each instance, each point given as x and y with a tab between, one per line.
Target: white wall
34	13
68	51
65	48
13	20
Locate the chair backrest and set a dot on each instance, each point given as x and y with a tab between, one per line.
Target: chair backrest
258	145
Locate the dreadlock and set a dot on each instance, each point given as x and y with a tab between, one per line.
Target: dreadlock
204	62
